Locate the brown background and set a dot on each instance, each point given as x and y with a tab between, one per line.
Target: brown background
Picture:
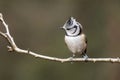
34	24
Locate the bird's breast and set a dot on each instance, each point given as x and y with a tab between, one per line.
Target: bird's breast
75	44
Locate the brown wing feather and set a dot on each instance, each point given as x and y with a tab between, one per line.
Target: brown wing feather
85	49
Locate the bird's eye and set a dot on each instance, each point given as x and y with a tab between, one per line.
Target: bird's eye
69	28
75	26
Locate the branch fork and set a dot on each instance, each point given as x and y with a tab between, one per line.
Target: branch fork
13	47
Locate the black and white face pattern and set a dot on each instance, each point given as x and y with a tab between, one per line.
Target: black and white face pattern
72	27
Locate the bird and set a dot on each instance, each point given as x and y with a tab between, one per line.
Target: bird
75	39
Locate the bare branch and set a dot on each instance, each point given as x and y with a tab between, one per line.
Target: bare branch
13	47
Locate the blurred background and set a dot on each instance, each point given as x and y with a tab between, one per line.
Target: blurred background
34	24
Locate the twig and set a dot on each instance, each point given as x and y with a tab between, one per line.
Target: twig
13	47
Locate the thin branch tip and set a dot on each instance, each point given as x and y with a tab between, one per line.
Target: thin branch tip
10	49
28	51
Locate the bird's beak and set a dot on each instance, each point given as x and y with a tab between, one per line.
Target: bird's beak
61	27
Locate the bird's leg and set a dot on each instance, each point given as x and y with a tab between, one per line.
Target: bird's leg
71	58
85	56
73	55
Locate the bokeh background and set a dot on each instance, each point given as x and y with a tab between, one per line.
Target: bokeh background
34	24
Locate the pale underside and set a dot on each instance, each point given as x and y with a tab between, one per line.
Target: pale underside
76	44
